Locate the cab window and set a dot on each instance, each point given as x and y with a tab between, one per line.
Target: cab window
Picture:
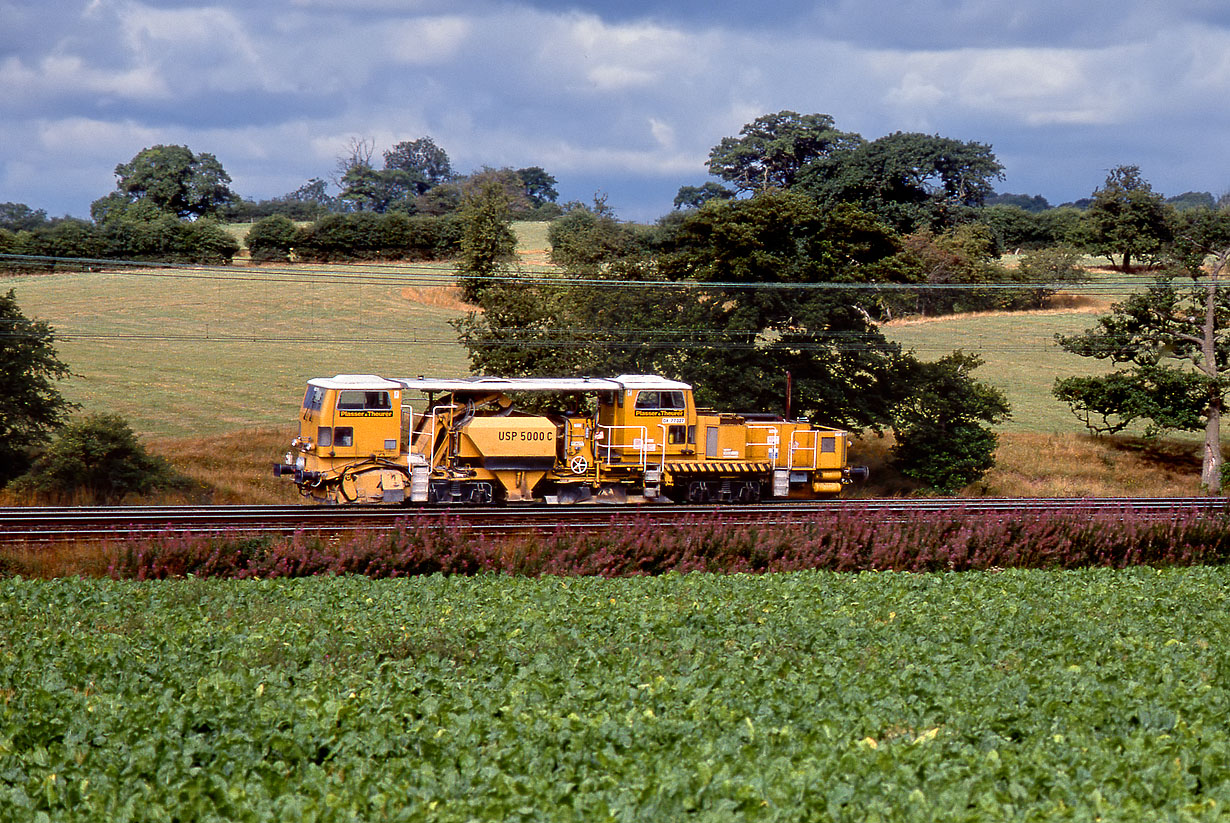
658	400
313	399
340	436
354	400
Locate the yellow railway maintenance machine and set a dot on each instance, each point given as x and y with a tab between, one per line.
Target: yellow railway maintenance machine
633	438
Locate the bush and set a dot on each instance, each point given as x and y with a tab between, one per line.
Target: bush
943	429
271	239
63	239
205	241
98	458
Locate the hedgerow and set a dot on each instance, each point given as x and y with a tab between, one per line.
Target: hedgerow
848	541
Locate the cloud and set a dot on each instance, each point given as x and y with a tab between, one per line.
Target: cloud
635	90
67	76
426	40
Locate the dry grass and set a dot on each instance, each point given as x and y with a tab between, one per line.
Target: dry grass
235	468
1079	465
1060	305
85	559
1029	464
439	297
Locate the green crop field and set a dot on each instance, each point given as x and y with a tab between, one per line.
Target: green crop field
1087	695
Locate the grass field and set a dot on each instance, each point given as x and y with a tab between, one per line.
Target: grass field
1087	695
1020	356
182	354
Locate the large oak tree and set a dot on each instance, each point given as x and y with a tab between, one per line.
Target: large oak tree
167	180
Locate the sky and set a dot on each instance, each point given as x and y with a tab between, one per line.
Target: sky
618	98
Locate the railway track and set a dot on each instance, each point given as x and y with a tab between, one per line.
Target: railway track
120	523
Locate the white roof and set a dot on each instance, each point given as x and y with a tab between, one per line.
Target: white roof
370	382
474	385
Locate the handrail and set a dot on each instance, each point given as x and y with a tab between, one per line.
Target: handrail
814	449
642	449
431	434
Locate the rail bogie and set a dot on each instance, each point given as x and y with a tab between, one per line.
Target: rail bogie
631	438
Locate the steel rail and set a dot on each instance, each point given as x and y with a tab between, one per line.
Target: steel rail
122	523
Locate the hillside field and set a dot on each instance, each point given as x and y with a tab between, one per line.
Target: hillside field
184	352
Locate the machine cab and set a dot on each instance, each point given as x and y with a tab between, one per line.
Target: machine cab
649	417
351	415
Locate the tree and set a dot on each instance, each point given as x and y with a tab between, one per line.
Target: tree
379	191
1034	204
169	180
1192	200
313	191
539	186
1016	228
359	152
771	150
20	217
31	407
908	180
411	169
515	192
1127	217
585	237
99	458
487	240
734	339
1172	344
693	197
423	162
942	428
746	296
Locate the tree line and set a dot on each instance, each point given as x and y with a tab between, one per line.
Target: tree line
169	204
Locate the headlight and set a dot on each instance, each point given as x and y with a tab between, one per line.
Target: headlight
300	462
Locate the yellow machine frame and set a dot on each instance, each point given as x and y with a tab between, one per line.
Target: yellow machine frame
629	438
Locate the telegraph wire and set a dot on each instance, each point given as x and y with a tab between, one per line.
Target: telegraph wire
390	274
442	275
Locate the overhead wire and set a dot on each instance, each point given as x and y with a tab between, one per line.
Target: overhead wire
429	275
401	274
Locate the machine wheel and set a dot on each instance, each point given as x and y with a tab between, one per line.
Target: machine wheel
578	464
